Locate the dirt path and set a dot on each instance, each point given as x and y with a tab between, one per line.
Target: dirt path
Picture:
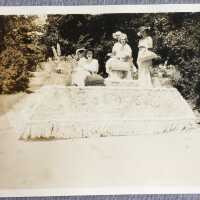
154	160
7	101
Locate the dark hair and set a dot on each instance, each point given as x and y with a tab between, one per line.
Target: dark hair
89	50
81	51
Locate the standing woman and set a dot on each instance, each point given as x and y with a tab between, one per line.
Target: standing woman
145	57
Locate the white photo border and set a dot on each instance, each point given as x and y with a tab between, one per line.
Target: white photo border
94	10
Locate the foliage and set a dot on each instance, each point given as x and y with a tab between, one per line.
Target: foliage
13	75
20	53
177	39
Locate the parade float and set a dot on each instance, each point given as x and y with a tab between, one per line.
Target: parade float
120	107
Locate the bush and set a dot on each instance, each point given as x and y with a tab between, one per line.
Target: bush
20	53
13	73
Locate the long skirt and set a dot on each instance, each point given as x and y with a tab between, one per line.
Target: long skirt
144	62
144	75
144	66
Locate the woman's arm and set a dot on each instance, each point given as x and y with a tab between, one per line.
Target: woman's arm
150	43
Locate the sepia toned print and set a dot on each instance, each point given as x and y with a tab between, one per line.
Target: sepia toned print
99	101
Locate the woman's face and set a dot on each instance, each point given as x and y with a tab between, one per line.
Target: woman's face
143	34
89	55
81	55
118	38
123	41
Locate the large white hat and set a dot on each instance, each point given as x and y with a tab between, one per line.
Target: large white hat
144	28
79	50
117	34
123	36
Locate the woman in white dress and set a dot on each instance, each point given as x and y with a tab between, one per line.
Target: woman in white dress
145	57
79	73
87	68
122	57
117	45
91	65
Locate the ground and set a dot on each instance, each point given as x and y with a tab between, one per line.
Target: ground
154	160
164	160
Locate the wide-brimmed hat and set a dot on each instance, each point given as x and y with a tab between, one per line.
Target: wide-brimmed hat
123	36
143	28
117	34
80	50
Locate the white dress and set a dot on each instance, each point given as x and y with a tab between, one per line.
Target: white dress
144	61
123	52
112	59
84	69
91	66
116	47
119	60
79	73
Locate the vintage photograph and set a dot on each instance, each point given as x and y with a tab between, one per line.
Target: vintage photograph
93	101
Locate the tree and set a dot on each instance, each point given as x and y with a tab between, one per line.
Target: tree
178	37
21	52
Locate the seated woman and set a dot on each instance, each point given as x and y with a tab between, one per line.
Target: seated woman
121	63
117	45
81	59
85	72
92	67
78	73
